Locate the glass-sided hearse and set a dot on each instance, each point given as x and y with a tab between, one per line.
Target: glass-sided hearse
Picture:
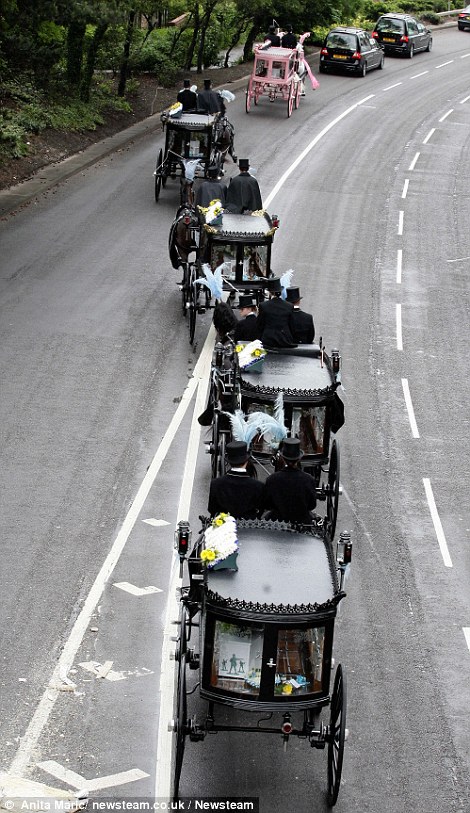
265	619
297	385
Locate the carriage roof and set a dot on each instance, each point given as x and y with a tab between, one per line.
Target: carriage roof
301	372
255	228
281	571
275	52
191	121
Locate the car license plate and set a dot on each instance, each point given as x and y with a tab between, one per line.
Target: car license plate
388	39
339	56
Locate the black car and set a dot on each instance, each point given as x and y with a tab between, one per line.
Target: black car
463	20
402	34
350	49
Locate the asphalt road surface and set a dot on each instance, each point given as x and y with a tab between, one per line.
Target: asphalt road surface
101	453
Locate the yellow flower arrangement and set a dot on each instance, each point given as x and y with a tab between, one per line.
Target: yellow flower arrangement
207	555
287	688
220	540
219	520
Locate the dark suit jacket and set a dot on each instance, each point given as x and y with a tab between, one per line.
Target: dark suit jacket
246	330
289	40
188	99
235	493
243	194
276	323
210	190
289	495
208	101
303	327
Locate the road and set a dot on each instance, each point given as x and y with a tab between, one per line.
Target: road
100	453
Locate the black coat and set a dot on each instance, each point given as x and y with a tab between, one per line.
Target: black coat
246	330
289	495
210	190
235	493
304	328
188	99
243	194
289	40
208	101
276	323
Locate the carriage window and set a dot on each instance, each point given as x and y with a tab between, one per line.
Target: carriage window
254	262
237	657
263	443
299	661
198	145
308	424
175	141
261	69
225	255
278	70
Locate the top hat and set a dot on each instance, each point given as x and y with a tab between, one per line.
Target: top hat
273	285
293	294
213	172
243	163
289	29
290	450
237	452
186	83
207	83
247	301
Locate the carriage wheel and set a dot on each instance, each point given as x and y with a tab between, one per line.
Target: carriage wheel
184	289
333	490
297	95
192	303
158	175
248	98
336	735
290	101
181	712
219	439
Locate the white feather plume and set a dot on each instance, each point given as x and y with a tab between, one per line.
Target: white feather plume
227	95
270	425
244	428
213	280
286	281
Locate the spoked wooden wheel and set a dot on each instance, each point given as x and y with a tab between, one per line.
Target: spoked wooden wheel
158	175
181	710
184	290
191	302
219	439
290	101
333	490
248	99
336	735
297	95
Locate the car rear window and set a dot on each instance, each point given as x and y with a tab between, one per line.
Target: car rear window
390	26
341	41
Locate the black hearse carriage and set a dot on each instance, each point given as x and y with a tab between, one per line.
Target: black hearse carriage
238	244
190	149
301	383
265	620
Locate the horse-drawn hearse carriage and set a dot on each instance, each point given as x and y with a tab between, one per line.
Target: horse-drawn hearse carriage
262	601
279	73
234	249
193	143
283	392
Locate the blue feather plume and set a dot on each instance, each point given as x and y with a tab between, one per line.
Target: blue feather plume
286	281
213	280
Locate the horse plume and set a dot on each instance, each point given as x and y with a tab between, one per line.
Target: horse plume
286	281
271	424
213	281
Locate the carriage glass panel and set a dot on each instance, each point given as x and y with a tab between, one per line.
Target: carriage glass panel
261	67
225	255
308	424
237	658
278	70
299	661
255	262
198	145
265	443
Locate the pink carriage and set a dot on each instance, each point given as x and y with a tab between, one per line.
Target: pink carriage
279	73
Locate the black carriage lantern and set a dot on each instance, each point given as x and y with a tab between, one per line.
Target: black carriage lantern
183	536
335	360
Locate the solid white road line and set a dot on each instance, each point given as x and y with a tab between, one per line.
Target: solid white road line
310	147
409	407
405	188
437	523
399	265
413	163
65	662
399	328
165	741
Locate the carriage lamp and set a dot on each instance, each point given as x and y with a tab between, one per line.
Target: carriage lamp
286	726
183	535
344	549
335	360
275	221
219	354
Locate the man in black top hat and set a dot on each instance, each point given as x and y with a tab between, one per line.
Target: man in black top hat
276	318
211	189
208	101
304	329
187	97
288	40
236	493
246	330
290	495
243	193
